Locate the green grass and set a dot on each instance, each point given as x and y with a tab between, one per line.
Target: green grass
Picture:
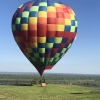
50	92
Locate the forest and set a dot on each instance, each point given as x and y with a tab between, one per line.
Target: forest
49	78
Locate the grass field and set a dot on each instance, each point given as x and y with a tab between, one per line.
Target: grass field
50	92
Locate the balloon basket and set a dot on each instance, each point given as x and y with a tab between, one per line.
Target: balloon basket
43	84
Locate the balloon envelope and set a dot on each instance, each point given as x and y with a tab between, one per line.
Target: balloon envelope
44	30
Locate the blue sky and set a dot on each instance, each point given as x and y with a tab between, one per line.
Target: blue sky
82	58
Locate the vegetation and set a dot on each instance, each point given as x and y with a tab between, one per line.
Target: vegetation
50	92
31	79
26	86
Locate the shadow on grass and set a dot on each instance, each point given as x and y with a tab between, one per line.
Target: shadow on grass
76	93
20	84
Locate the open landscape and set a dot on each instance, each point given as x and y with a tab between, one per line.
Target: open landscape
26	86
41	42
50	92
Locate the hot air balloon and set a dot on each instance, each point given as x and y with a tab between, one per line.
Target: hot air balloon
44	31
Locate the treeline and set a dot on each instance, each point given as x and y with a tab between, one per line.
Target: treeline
31	79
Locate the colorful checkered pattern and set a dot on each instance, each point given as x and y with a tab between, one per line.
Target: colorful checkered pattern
44	30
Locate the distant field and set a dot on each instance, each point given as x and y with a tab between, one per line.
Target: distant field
50	92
